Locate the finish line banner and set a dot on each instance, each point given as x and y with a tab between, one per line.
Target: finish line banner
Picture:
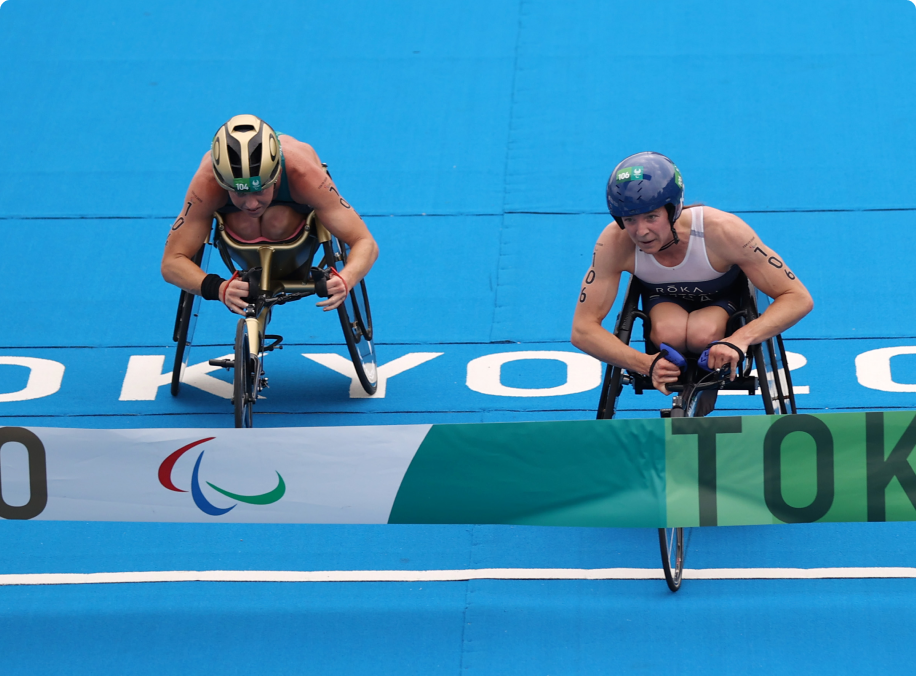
647	473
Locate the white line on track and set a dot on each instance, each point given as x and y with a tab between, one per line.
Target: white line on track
453	575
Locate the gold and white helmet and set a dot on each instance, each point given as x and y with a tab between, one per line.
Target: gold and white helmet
245	154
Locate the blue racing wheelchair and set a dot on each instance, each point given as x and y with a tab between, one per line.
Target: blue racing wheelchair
765	372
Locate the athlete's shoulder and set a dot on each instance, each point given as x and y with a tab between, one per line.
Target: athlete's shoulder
729	240
303	167
204	184
722	226
614	249
297	155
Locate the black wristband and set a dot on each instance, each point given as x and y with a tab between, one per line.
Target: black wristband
661	355
320	278
737	349
209	288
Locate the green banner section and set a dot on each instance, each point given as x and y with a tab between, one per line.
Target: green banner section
583	473
682	472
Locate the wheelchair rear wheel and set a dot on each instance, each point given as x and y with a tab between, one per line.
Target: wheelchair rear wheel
610	392
356	321
775	377
246	377
185	321
186	310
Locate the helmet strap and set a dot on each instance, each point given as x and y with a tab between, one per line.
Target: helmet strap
674	240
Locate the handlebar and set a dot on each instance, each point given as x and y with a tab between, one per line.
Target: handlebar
710	380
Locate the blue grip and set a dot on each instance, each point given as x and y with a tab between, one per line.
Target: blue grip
673	356
703	361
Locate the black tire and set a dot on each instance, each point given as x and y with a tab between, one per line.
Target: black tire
671	542
180	336
246	374
764	382
773	373
786	374
778	376
356	321
188	305
610	392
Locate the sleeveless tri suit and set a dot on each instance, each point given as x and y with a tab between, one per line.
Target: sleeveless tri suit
693	283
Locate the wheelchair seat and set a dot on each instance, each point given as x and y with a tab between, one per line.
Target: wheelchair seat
285	264
772	379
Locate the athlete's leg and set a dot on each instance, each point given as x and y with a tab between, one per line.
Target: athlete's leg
669	325
705	326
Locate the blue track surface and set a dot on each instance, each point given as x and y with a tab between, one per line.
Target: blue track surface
475	138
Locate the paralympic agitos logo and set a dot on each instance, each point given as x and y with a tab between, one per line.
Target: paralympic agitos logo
165	478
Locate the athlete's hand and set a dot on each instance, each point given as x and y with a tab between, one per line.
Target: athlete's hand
232	293
664	372
337	291
721	354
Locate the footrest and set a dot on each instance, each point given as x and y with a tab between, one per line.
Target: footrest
274	345
223	363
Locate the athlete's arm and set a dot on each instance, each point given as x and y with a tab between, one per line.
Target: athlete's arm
310	184
188	233
732	241
596	296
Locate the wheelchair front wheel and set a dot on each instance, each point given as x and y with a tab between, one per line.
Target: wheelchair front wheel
671	541
246	376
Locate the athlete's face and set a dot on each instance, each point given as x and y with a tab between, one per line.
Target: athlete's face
649	231
253	204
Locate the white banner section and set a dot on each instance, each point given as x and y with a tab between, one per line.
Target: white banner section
285	475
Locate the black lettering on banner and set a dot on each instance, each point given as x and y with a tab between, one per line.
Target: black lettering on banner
880	471
582	295
590	277
706	430
772	468
38	474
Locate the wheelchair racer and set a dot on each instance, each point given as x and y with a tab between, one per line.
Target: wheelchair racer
687	261
264	189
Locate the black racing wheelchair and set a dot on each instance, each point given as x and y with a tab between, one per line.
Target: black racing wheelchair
765	371
281	272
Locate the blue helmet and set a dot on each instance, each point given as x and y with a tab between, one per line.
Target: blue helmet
642	183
